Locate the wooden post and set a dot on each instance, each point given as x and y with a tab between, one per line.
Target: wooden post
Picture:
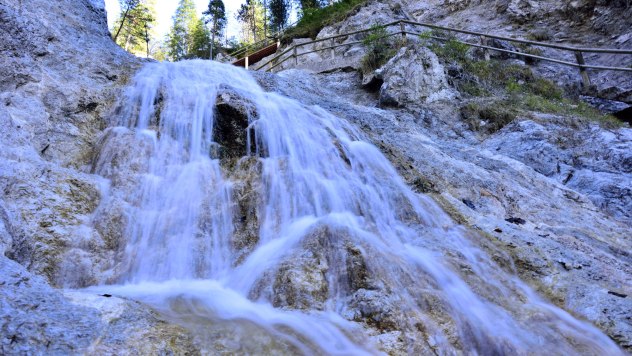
485	50
295	56
246	61
582	70
333	53
402	29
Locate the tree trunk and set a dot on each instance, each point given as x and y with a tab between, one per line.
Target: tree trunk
265	20
213	38
122	23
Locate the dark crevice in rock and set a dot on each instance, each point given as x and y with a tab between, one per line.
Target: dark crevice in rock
231	130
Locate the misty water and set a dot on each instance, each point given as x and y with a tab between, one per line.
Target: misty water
319	179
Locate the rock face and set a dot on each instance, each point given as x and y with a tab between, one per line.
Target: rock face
546	198
413	76
59	74
556	229
571	23
587	159
37	319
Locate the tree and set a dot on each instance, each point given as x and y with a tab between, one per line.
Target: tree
216	16
127	5
251	16
180	38
135	28
201	43
307	5
279	13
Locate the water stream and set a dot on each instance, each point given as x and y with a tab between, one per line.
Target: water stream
389	261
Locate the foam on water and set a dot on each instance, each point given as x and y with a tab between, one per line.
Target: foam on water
317	171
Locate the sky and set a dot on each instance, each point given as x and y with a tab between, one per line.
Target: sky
166	9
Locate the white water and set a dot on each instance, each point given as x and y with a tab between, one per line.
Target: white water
317	172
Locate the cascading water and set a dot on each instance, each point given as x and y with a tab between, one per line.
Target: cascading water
326	195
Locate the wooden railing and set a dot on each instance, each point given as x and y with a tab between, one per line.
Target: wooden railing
405	28
256	46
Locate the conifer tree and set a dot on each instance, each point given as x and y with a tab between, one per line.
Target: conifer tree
279	13
126	7
180	40
135	28
251	16
307	5
215	15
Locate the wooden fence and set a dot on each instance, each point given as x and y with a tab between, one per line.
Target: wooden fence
406	28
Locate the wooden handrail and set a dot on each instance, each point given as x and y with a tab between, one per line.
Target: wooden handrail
577	51
534	43
273	37
529	55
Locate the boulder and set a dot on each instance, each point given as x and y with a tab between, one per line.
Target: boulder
414	77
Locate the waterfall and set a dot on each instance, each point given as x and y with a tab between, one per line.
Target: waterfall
344	254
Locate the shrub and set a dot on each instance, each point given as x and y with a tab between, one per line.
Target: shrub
314	20
489	117
379	49
539	35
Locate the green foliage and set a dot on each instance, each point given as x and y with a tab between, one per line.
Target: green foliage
489	117
180	38
379	49
215	14
315	19
306	6
571	108
445	45
545	88
201	42
279	13
188	38
451	50
134	30
520	91
539	35
251	16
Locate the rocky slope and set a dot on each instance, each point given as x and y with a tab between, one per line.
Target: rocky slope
546	196
59	74
572	23
553	190
568	248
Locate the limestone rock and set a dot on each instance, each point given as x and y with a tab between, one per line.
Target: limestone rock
37	319
414	77
522	11
53	104
515	176
230	131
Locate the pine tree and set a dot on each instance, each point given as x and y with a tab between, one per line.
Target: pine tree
279	13
201	43
307	5
180	38
135	28
126	7
251	16
216	16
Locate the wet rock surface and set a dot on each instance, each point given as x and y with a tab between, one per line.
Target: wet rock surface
37	319
233	115
54	102
546	198
60	73
516	197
